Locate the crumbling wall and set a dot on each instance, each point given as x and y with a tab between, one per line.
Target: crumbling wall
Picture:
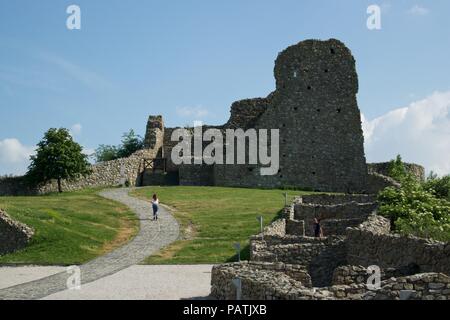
315	109
13	234
108	173
370	244
415	170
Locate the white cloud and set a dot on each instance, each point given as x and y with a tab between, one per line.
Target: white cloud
417	10
192	112
75	130
14	156
419	132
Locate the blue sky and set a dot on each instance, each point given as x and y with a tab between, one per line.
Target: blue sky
189	60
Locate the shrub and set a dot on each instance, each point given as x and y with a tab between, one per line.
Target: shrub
414	210
440	187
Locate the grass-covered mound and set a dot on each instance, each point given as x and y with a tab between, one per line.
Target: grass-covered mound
70	228
213	219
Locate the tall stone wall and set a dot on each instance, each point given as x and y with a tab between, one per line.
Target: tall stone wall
315	109
13	235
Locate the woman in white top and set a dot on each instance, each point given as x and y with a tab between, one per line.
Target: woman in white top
155	206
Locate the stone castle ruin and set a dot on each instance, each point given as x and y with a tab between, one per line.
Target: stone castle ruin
287	263
320	145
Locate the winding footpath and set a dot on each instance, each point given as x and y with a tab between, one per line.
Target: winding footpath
152	236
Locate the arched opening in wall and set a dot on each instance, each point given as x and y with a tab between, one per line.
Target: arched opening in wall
338	110
332	51
309	87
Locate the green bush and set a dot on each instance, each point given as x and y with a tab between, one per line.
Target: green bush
415	207
440	187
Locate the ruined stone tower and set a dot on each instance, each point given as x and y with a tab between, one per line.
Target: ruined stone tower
315	109
314	106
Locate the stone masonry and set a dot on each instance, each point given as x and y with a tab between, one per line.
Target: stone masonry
287	264
13	235
314	107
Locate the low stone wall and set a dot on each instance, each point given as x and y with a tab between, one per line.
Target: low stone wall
342	215
335	226
347	275
274	281
425	286
319	256
370	244
333	199
295	227
13	235
377	182
109	173
415	170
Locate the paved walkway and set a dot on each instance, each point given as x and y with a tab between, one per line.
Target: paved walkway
171	282
152	236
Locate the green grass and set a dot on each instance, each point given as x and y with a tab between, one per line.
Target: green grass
70	228
213	219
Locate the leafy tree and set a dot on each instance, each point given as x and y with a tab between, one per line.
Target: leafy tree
440	187
397	169
106	153
130	144
57	157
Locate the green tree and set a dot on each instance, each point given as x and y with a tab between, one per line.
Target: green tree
440	187
57	157
130	144
397	169
106	153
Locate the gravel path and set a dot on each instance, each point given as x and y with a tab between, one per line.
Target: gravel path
152	236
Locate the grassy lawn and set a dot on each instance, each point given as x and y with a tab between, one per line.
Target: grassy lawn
70	228
213	219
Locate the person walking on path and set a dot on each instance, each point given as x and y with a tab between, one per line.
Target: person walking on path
155	206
